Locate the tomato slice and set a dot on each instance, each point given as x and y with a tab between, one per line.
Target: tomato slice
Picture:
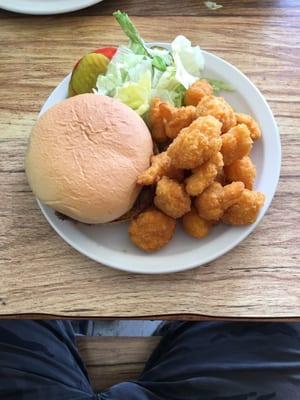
109	52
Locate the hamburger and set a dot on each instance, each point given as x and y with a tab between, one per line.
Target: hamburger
84	156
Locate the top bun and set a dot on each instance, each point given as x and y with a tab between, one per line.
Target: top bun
84	157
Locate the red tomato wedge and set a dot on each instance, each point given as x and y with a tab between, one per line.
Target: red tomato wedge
109	52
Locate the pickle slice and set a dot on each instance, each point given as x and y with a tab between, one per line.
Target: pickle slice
85	73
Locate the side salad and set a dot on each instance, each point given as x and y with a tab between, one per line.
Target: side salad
136	73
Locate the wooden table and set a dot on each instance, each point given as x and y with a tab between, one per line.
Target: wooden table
41	275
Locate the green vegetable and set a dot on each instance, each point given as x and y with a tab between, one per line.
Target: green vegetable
219	85
158	62
137	44
168	88
189	61
138	72
136	95
212	5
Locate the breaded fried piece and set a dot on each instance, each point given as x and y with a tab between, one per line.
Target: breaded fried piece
157	126
219	108
151	230
160	166
197	91
195	225
176	119
236	144
251	124
196	144
245	210
212	203
171	198
242	170
204	175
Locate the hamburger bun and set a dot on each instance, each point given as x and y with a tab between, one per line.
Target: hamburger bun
84	157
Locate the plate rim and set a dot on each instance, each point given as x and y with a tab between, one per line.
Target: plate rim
188	264
49	11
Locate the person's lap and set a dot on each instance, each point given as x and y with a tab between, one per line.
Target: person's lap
206	360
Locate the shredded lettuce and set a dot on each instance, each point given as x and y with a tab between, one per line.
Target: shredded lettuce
136	44
219	85
212	5
189	61
138	72
136	95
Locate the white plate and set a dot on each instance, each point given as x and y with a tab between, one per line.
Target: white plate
110	244
45	7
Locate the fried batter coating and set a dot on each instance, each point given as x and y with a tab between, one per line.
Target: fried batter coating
245	210
197	91
251	124
171	198
157	126
196	144
176	119
151	230
160	166
219	108
204	175
241	170
195	225
212	203
236	144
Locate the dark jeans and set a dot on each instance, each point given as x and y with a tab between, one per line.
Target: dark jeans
194	361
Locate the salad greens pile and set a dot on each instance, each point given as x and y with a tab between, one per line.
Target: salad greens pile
138	72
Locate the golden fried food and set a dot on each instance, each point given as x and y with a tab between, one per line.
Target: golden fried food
195	225
160	166
218	108
212	203
151	230
241	170
231	194
196	144
204	175
245	210
236	144
171	198
156	122
197	91
176	119
251	124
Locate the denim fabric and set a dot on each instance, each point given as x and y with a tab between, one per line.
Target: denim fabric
194	361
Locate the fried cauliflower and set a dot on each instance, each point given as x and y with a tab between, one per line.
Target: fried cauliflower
212	203
245	210
218	108
242	170
196	144
236	144
204	175
176	119
151	230
160	166
171	198
197	91
251	124
194	225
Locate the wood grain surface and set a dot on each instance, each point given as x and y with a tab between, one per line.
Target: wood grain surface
41	275
111	360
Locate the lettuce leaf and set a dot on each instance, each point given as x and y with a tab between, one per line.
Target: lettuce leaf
136	95
219	85
188	59
138	72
